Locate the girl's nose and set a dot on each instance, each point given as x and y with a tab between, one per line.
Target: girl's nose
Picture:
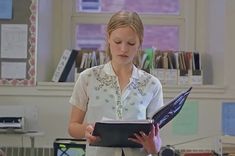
124	47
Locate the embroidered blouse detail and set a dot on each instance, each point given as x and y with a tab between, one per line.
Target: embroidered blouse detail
140	85
106	80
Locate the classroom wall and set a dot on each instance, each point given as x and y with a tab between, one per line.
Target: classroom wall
215	38
45	40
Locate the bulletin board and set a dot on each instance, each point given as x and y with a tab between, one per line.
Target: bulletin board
18	29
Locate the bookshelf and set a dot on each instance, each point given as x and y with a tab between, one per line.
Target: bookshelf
170	67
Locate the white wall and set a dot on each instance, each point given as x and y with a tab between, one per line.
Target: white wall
45	40
230	44
214	37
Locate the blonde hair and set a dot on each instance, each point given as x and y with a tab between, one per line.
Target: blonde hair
125	19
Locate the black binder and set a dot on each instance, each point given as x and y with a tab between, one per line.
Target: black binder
115	133
64	66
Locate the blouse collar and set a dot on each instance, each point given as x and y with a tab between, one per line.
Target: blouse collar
108	69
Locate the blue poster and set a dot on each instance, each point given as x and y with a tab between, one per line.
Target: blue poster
6	9
228	118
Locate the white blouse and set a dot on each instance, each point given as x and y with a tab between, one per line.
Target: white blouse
97	92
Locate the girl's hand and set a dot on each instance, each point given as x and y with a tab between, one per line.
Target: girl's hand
88	135
151	142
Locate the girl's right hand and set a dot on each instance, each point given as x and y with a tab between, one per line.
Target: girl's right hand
88	135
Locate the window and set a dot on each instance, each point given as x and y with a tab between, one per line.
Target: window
89	5
142	6
168	25
90	36
161	37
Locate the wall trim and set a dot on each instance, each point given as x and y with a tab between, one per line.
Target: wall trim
64	89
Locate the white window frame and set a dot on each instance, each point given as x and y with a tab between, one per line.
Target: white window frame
186	21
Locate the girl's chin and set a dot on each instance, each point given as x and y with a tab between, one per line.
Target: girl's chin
124	62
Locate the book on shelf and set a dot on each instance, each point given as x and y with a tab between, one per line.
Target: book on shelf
64	66
115	133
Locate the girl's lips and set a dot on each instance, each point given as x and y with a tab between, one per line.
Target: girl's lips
123	55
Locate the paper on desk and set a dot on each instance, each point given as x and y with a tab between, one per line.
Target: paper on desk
14	40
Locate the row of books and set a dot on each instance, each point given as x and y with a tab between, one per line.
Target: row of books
171	67
82	59
177	67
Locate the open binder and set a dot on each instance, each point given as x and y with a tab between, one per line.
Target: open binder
115	133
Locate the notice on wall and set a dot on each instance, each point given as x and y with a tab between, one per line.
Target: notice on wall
228	118
14	40
13	70
186	122
6	9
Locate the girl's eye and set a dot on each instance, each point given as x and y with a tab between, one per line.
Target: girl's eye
117	42
131	44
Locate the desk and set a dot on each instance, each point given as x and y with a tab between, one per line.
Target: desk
31	135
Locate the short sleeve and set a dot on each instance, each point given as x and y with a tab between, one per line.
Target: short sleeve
79	96
157	100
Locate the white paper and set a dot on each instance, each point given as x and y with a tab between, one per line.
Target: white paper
14	40
13	70
8	125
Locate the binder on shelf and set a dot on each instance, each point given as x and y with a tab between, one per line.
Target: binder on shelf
115	133
64	66
183	73
165	67
158	70
196	75
147	60
88	58
177	67
183	77
160	73
171	76
171	73
81	62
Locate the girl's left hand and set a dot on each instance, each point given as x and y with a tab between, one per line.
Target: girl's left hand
151	142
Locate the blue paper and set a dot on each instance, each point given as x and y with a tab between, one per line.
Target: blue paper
228	118
5	9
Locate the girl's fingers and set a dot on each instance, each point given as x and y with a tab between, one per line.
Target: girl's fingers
156	129
88	134
134	140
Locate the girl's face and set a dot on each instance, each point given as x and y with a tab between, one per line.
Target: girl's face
124	44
